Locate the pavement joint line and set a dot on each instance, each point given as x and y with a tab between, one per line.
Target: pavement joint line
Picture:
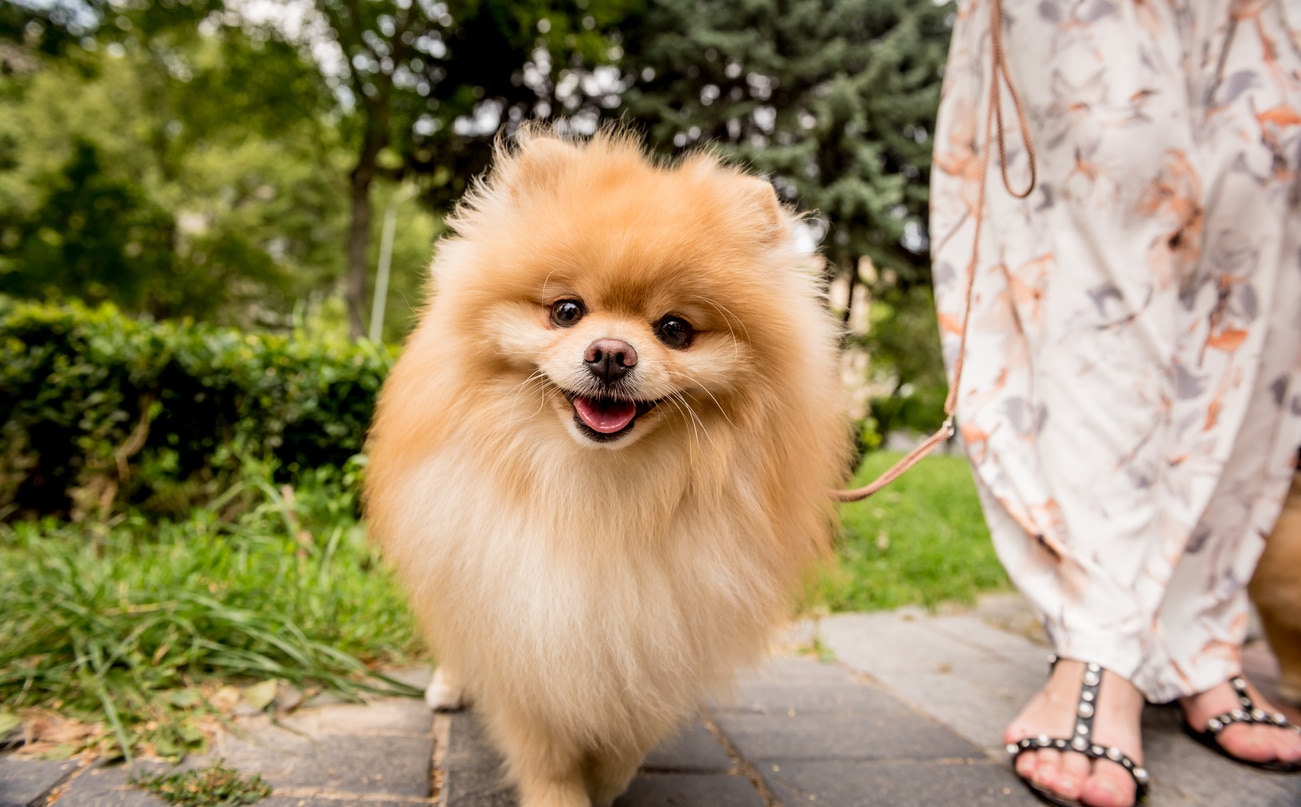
346	795
799	791
330	732
58	788
962	639
956	761
442	731
991	754
743	765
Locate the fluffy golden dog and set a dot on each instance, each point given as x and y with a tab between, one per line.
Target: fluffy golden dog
603	461
1276	591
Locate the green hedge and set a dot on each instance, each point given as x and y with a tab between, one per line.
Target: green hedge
98	410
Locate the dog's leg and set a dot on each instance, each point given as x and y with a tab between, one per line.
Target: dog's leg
546	768
1285	640
445	693
609	776
552	793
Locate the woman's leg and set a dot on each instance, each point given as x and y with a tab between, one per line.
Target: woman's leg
1240	351
1077	385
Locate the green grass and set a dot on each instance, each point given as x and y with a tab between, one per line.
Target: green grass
213	786
132	623
136	623
920	541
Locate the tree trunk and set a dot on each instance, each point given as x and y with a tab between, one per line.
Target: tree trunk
849	292
358	271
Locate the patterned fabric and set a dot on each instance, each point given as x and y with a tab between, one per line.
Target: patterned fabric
1131	402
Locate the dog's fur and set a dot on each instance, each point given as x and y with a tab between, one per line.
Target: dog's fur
585	589
1276	591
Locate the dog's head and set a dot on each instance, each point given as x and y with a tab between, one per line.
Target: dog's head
605	295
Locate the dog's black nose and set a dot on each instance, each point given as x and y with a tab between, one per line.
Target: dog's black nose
610	359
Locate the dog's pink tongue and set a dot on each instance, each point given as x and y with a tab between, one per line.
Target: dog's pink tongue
606	417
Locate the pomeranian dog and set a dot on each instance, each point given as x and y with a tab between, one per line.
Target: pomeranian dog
1276	590
604	460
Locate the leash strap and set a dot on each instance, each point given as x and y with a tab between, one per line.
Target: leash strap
999	77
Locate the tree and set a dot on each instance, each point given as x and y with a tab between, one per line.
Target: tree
424	88
835	101
91	228
172	161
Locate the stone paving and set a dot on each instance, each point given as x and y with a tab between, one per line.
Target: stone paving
909	713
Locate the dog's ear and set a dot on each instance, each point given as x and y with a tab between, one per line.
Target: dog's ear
539	161
761	197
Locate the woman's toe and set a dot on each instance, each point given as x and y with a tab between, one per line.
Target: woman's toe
1109	786
1249	742
1075	770
1047	769
1287	745
1026	764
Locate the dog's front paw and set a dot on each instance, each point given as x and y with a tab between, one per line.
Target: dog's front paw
445	693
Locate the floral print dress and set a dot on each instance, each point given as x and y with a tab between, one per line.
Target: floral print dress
1131	398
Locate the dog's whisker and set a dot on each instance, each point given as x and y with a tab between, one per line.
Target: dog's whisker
536	375
693	415
696	414
547	280
692	419
695	441
686	416
536	378
728	317
705	390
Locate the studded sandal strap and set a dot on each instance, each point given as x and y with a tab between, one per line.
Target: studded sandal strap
1247	712
1080	741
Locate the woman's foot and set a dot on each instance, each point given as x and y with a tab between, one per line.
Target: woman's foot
1250	742
1071	776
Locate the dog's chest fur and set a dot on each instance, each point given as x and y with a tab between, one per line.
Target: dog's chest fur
606	602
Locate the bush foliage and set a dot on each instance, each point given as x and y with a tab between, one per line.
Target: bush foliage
99	410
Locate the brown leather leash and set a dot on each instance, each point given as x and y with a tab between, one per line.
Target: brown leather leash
993	116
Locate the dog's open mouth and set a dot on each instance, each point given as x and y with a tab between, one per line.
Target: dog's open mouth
606	419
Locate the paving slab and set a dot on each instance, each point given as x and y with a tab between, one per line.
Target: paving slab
472	769
970	676
694	750
973	677
23	782
909	713
822	734
765	696
109	786
899	734
684	790
895	783
377	753
283	801
690	768
380	749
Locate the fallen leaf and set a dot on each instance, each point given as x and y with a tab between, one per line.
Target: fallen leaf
260	695
8	722
225	699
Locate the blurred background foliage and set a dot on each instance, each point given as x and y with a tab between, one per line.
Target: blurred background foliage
232	162
104	412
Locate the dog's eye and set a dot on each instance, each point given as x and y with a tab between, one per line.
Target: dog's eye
564	313
675	332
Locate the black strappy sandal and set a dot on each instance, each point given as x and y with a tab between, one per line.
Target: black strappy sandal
1248	713
1080	742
